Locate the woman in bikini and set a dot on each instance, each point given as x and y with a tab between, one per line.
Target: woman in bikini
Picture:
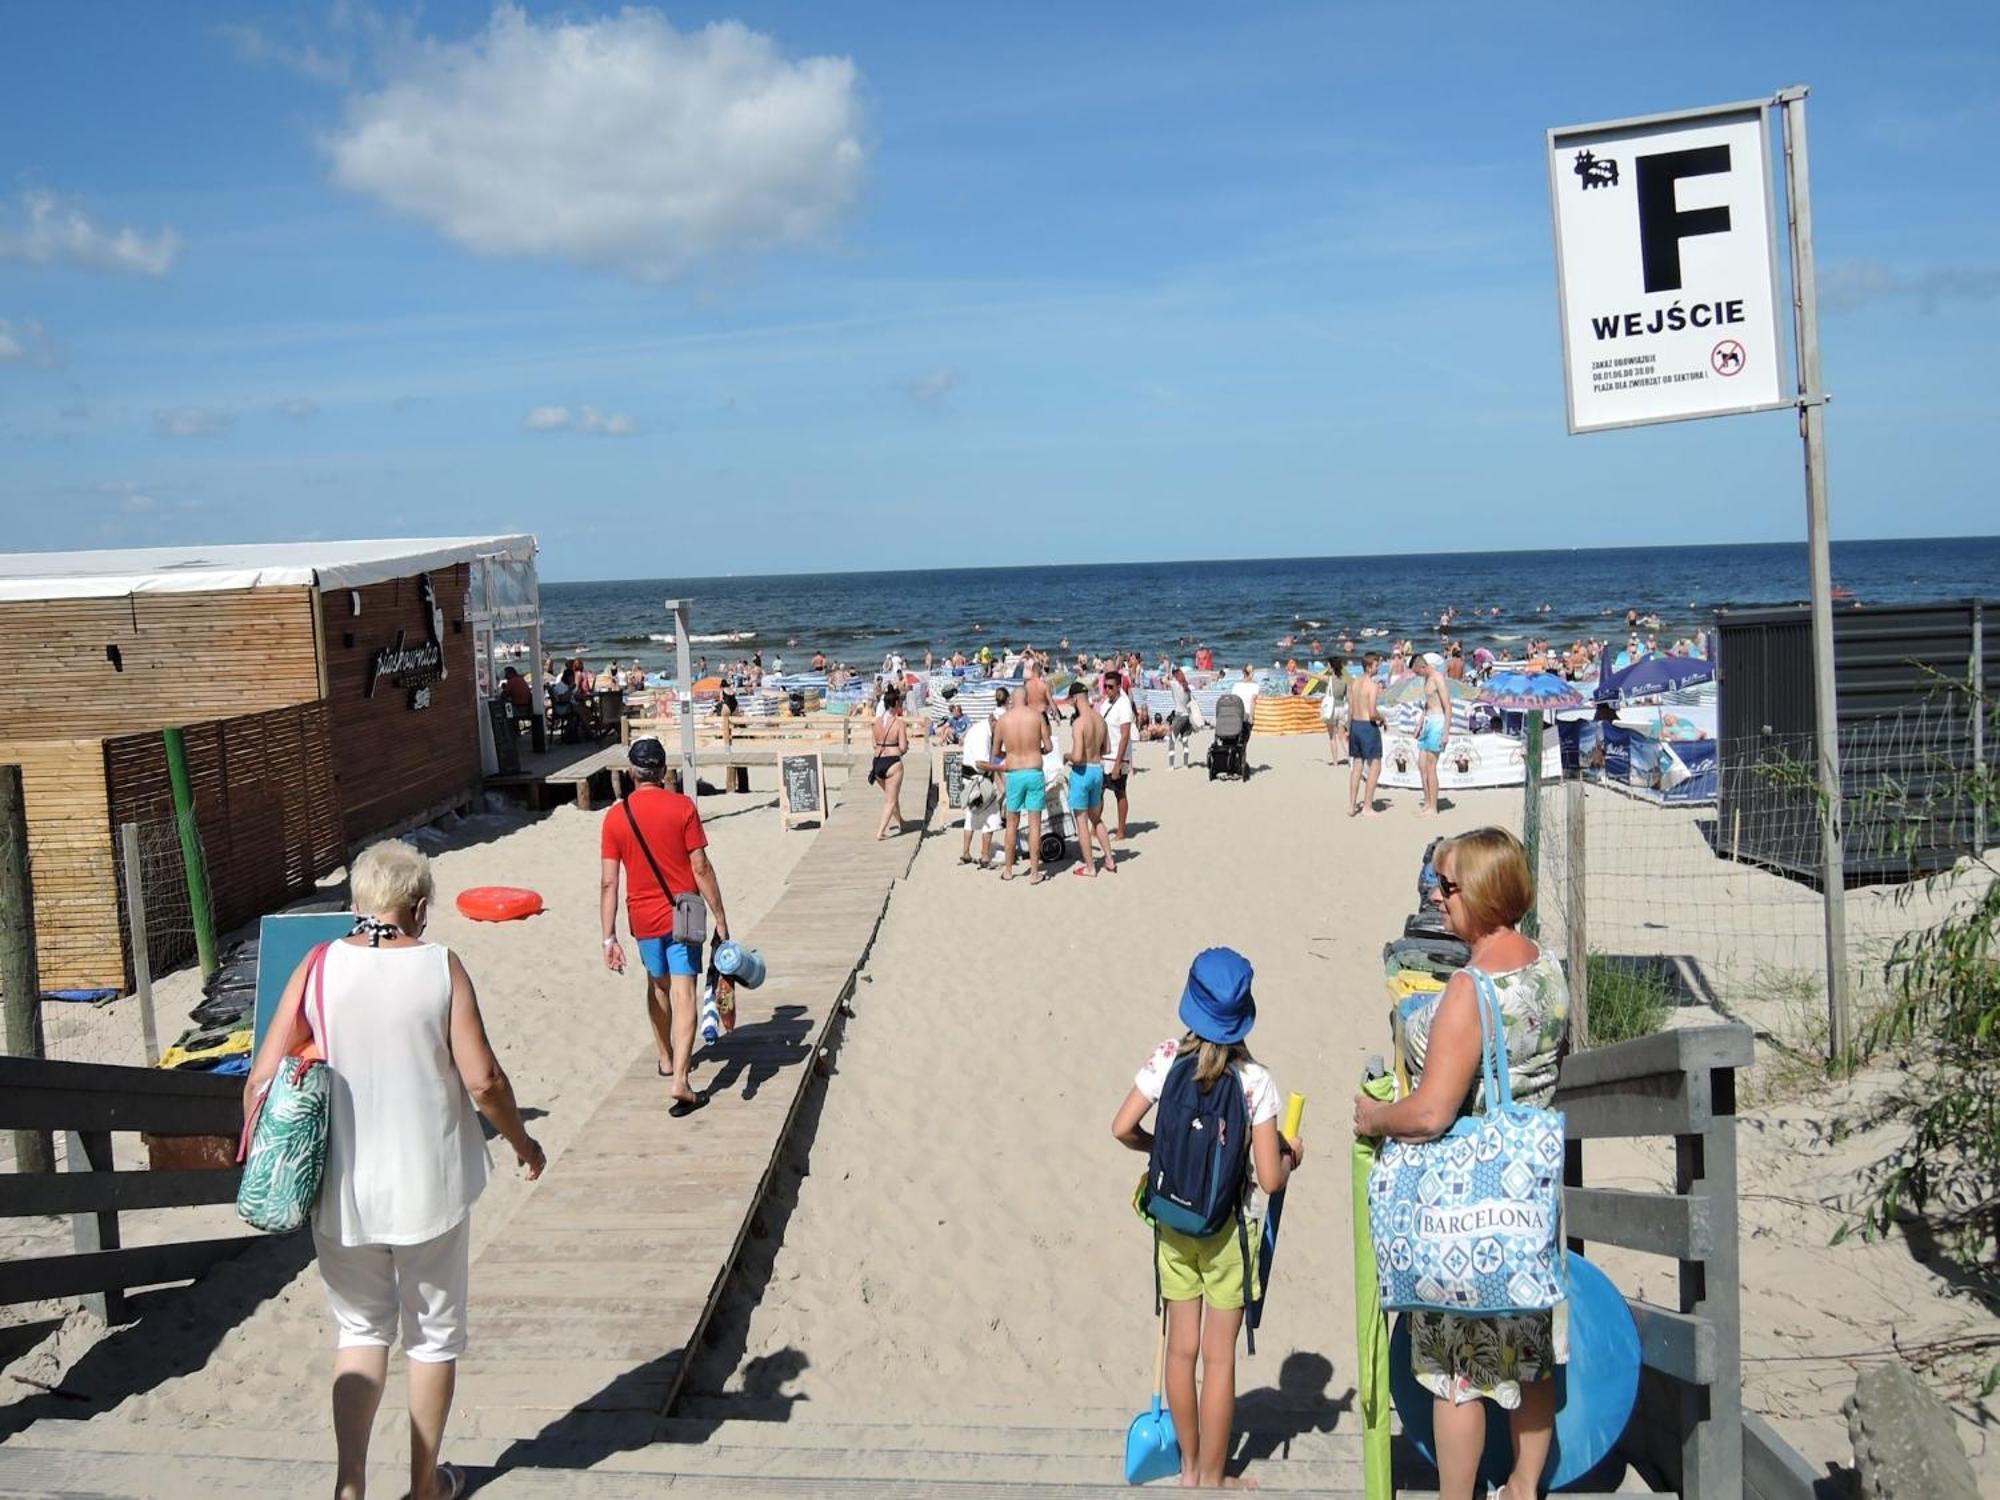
892	740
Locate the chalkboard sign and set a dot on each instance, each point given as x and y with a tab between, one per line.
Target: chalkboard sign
951	771
802	788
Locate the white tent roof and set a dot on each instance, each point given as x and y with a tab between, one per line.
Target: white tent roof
199	570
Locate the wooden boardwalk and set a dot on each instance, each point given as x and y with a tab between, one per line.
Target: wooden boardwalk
628	1242
590	1302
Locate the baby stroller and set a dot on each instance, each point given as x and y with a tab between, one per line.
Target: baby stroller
1057	824
1228	752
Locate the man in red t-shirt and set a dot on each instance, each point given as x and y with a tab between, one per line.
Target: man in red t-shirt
655	839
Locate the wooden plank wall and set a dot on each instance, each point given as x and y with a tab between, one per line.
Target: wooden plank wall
264	797
185	658
70	862
394	762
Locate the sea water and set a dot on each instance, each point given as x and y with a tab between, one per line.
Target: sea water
1243	610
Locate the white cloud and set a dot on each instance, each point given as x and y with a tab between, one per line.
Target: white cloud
298	408
931	387
52	230
131	499
1845	285
255	45
586	419
618	142
25	343
191	422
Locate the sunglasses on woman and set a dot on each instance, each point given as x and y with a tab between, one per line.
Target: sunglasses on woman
1448	887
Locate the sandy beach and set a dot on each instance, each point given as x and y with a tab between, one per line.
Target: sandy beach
960	1239
954	1239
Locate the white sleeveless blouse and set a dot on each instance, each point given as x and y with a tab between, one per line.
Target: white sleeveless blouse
405	1158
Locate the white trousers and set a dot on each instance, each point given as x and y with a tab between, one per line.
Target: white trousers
373	1289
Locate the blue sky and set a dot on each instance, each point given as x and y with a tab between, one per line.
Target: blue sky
842	286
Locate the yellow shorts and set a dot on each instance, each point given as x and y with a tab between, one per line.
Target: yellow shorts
1211	1269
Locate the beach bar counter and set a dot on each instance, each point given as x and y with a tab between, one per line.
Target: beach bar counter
327	692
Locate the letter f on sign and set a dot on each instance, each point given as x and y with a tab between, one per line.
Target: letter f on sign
1662	223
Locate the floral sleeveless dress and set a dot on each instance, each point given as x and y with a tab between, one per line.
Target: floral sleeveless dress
1462	1358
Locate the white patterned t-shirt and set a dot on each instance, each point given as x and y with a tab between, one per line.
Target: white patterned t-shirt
1260	1094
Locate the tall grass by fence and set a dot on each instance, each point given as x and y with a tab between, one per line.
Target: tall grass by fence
1714	901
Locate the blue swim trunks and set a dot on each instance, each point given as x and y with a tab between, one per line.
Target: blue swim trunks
1432	738
1027	791
1086	788
663	956
1364	742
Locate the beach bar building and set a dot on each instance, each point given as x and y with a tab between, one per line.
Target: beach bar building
328	693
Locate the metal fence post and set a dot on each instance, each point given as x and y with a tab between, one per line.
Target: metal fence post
1812	431
1575	920
20	977
1531	818
140	939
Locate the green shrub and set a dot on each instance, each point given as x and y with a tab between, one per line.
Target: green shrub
1626	1001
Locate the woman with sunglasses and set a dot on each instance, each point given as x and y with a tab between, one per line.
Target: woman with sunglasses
1485	888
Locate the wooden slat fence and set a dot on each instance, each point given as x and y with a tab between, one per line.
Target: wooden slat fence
1690	1427
87	1102
265	799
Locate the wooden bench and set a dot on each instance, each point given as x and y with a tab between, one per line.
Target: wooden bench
598	778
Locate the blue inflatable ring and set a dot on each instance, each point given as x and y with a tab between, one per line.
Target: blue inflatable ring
1595	1391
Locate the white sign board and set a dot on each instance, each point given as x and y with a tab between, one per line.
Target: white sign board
1666	261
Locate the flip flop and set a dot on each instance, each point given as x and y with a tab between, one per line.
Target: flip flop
454	1480
680	1109
1037	878
1082	874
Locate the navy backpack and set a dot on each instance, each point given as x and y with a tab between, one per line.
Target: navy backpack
1197	1175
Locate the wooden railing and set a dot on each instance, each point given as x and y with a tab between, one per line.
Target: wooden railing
86	1102
1690	1427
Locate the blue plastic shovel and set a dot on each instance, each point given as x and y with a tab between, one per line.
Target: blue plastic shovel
1152	1450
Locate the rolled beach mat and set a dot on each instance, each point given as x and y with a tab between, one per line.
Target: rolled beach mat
1595	1391
744	965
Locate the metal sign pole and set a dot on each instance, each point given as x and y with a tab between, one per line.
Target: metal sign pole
1812	428
684	699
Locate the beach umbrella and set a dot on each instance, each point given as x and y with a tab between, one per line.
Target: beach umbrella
1411	690
1528	692
1652	675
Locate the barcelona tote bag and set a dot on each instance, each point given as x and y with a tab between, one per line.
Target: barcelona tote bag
283	1150
1471	1223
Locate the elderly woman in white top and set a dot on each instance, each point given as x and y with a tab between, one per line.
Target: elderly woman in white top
403	1038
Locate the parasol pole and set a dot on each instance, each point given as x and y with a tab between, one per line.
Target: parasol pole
1531	820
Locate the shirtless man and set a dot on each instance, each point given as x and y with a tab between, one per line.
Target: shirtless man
1037	691
1086	781
1435	734
1364	737
1020	740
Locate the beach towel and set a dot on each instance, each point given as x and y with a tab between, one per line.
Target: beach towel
283	1149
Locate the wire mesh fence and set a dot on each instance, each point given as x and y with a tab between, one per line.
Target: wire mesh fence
1716	898
112	1028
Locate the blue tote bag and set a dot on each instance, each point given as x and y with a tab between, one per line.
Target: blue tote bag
1471	1223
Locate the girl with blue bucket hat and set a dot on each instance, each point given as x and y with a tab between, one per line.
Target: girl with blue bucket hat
1218	1119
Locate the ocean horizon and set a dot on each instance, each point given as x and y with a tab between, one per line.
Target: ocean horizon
1247	609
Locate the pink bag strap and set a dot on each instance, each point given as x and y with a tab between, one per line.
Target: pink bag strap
315	986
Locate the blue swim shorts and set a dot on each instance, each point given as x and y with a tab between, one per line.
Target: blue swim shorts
663	956
1364	742
1432	738
1086	788
1027	791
